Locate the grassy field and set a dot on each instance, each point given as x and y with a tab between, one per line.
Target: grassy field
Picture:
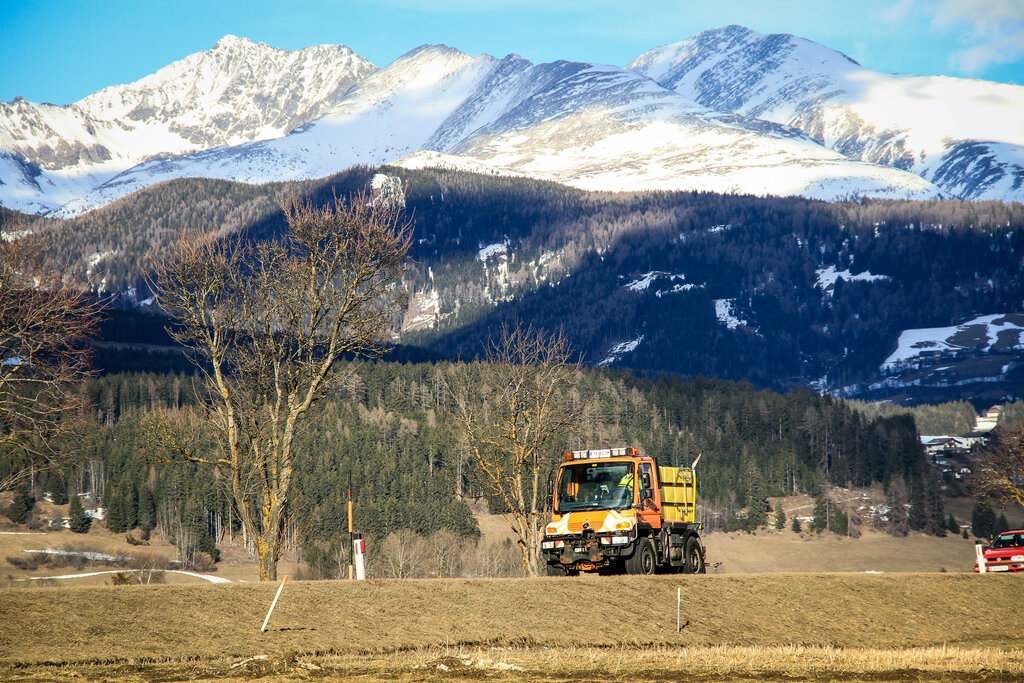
778	606
918	626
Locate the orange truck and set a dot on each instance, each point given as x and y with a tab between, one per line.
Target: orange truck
614	510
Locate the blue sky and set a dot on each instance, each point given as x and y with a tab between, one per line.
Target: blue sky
61	50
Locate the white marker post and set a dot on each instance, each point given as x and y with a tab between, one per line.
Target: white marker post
980	552
679	601
274	604
360	549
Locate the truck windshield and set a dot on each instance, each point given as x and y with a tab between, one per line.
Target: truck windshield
594	486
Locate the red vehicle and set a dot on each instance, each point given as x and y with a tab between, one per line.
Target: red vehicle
1005	553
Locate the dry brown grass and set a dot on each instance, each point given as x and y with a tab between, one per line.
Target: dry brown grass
665	663
132	623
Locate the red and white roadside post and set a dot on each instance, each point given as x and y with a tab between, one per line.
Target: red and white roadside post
359	550
979	550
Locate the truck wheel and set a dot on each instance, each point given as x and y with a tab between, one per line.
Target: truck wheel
643	560
694	557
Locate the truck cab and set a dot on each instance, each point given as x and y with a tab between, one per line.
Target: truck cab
615	510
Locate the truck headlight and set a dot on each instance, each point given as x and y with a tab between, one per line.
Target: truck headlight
615	540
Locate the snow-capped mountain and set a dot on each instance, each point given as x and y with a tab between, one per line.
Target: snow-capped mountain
237	92
965	136
729	110
592	126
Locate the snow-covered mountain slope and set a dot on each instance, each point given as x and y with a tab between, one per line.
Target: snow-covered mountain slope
966	136
594	127
605	128
237	92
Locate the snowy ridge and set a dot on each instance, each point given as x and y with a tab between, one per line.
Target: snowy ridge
591	126
966	136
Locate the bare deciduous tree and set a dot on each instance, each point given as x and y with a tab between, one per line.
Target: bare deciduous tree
44	322
404	554
1000	469
267	323
512	441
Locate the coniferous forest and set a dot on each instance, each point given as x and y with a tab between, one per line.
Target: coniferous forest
387	435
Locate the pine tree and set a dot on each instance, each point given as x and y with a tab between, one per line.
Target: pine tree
1001	525
983	520
113	517
796	525
58	489
78	520
918	506
822	513
936	511
147	508
129	499
840	522
780	516
17	511
953	525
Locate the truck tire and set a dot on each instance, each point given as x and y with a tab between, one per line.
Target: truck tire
643	560
694	557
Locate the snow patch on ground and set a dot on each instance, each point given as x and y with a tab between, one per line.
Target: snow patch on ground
644	282
827	278
725	312
491	250
205	577
103	557
984	334
619	350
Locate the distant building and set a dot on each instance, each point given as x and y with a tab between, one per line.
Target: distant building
987	421
975	438
938	445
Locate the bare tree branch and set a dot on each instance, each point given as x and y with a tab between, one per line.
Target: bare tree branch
267	322
999	475
525	386
44	325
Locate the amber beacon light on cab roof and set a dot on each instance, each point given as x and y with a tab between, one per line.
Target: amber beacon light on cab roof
614	510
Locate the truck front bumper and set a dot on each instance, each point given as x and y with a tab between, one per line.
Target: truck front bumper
586	552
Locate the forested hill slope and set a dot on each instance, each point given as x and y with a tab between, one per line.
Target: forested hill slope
783	292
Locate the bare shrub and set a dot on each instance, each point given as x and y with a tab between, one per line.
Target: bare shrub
26	563
404	554
446	550
492	560
203	562
147	568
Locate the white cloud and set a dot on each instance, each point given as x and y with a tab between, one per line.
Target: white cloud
993	31
897	12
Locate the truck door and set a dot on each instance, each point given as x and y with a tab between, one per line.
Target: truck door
650	499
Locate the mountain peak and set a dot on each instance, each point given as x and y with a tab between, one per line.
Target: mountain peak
231	41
